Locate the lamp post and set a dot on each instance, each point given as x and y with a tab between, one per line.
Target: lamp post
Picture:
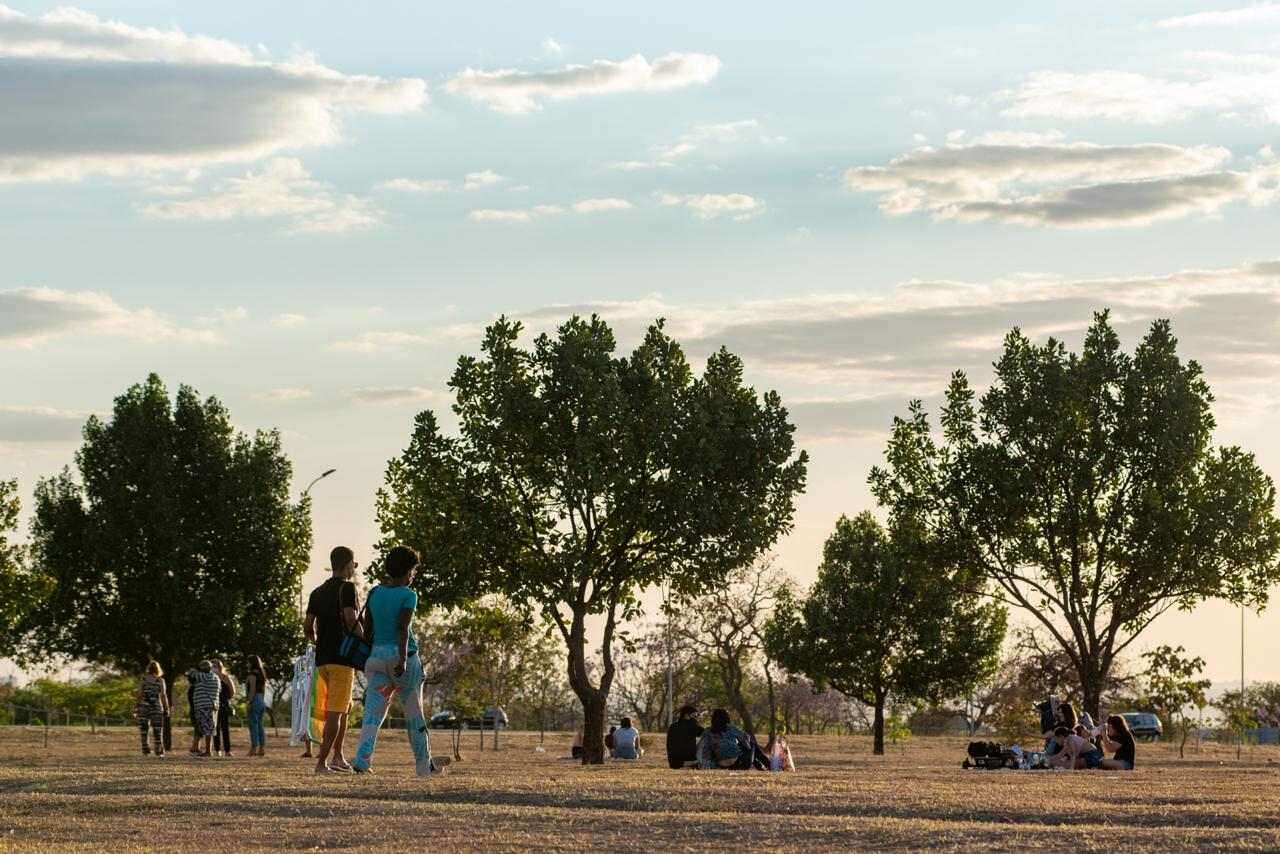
1240	746
306	493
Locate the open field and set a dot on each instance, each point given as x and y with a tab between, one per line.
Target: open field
95	792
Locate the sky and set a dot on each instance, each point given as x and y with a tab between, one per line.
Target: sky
311	216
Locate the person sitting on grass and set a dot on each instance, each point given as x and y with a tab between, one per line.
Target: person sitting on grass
608	740
206	689
626	741
724	745
1119	737
682	739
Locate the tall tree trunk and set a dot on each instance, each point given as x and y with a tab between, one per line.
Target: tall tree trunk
592	700
877	725
773	700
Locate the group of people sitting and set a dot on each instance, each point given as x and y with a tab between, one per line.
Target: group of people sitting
1077	744
719	746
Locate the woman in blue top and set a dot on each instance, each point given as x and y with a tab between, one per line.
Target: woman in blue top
394	666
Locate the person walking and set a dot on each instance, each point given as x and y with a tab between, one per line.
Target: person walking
205	688
226	695
153	707
394	666
255	686
331	614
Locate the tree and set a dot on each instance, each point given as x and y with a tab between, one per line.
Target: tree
881	621
1085	487
19	589
727	622
1172	684
177	542
580	478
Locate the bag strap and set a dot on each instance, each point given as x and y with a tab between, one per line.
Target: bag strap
342	619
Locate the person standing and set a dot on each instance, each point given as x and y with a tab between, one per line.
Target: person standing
394	665
205	687
255	687
153	707
226	694
331	614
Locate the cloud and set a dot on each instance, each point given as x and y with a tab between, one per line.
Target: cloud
480	180
282	189
1240	87
1029	181
537	212
380	342
29	316
416	185
288	321
702	136
283	395
739	206
391	395
551	47
587	206
86	96
1261	13
40	424
515	91
638	165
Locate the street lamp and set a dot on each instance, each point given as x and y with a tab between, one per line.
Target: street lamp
305	494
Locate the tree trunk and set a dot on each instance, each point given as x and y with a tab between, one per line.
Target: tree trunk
591	698
877	726
773	701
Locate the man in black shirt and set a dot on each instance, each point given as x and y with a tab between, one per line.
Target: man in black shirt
682	739
331	613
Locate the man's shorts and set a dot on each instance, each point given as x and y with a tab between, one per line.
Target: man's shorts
334	683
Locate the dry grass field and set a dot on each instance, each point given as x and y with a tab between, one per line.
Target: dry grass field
97	792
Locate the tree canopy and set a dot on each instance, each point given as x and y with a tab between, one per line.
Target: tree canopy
1086	488
178	540
578	478
881	621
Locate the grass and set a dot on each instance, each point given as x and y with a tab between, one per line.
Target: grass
97	792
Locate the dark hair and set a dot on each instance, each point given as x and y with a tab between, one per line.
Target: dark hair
1068	714
256	669
400	560
626	723
687	711
340	557
1062	732
1121	726
719	720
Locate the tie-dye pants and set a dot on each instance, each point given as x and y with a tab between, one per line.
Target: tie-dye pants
383	686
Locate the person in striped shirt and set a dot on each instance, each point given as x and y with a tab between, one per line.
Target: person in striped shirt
153	706
207	688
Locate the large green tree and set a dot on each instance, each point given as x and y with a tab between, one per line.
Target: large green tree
177	541
882	622
19	590
1085	486
579	478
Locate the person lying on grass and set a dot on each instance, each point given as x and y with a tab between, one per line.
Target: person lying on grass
1077	752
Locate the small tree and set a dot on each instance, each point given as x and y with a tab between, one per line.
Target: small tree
580	478
1173	683
726	622
882	621
1086	489
20	589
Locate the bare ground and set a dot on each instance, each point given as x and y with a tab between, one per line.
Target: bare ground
97	792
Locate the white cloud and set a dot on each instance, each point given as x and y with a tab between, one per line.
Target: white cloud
701	136
1261	13
1033	180
380	342
1241	87
35	424
480	180
283	395
739	206
391	395
598	205
282	189
638	165
29	316
515	91
288	321
416	185
551	47
85	96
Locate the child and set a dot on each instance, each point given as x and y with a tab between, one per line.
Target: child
205	690
152	708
